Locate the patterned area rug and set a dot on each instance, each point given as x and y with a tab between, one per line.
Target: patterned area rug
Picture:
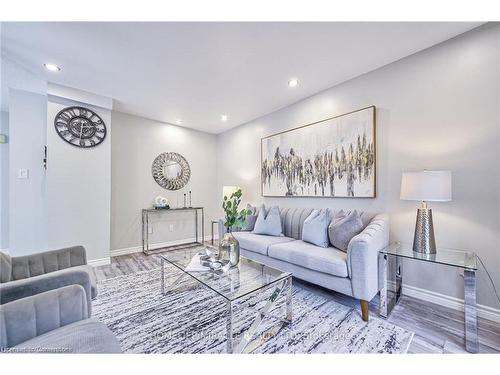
191	319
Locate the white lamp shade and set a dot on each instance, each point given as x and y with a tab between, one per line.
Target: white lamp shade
426	186
228	190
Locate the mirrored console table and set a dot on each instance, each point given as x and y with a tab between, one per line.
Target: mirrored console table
147	212
392	279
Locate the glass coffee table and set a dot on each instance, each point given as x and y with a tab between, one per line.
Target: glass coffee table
245	279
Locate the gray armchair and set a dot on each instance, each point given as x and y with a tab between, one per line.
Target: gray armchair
26	276
56	321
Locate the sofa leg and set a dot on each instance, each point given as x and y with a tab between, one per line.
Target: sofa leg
364	310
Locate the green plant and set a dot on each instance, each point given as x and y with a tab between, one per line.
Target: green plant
230	206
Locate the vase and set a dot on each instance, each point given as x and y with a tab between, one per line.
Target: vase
229	249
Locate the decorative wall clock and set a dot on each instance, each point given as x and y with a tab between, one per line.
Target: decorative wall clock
80	127
171	171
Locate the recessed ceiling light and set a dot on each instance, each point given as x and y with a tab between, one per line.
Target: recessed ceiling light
293	82
52	67
178	121
223	118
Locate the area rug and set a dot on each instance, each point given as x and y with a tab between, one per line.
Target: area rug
192	319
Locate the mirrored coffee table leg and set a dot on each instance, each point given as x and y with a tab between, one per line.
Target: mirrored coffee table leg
283	285
167	288
229	327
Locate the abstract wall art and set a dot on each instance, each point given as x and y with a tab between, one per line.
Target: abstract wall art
329	158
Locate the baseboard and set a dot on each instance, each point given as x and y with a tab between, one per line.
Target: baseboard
99	262
138	249
483	311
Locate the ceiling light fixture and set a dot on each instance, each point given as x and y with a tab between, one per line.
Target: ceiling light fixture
292	82
223	118
178	121
52	67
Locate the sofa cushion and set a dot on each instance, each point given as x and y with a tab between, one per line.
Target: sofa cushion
258	243
328	260
85	336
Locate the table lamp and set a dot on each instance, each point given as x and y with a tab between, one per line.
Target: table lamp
425	186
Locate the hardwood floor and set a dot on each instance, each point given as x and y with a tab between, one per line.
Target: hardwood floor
437	329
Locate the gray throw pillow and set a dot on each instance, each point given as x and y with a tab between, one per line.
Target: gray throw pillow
5	267
315	228
268	223
341	231
249	223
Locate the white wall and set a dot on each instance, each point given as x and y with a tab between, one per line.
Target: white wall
27	197
438	109
78	187
4	183
12	76
136	143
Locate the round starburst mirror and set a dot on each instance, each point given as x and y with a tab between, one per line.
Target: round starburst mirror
171	171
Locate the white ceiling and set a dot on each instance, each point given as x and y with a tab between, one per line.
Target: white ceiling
198	71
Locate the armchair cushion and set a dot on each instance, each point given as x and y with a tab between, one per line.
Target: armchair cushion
17	289
47	261
26	318
5	267
86	336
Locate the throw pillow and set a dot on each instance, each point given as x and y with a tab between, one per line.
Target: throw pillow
339	215
343	230
5	267
315	228
250	219
268	223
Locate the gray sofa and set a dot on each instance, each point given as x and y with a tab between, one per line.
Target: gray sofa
28	275
354	273
56	321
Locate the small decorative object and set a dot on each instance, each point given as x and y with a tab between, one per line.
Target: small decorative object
184	200
425	186
161	202
212	260
80	127
229	246
171	171
190	205
329	158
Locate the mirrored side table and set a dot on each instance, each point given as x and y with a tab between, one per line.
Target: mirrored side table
390	260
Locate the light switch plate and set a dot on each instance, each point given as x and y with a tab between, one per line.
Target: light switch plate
23	173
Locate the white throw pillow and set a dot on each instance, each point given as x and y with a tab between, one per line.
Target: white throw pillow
315	228
268	223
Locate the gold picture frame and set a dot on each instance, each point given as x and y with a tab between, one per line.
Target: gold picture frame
334	172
